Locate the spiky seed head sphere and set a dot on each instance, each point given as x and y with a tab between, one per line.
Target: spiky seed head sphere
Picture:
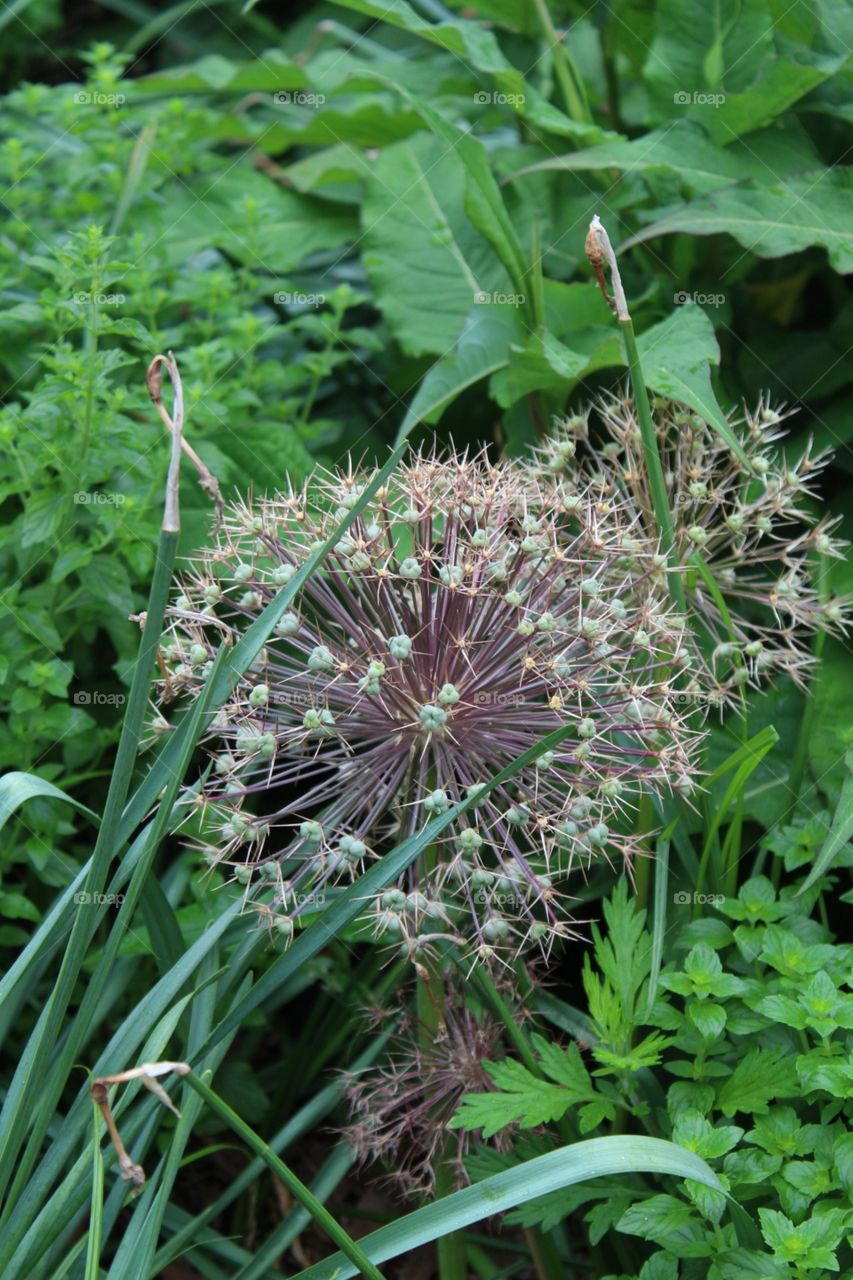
746	521
460	619
400	1112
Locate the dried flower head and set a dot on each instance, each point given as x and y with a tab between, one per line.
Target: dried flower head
461	618
400	1112
745	523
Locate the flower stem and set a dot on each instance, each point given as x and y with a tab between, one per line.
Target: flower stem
657	484
298	1190
797	773
599	251
566	70
452	1262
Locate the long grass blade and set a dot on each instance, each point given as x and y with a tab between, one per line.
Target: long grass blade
595	1158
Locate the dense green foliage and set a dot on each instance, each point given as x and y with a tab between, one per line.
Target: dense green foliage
353	223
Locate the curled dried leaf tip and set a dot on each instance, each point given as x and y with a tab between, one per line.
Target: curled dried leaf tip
599	251
147	1072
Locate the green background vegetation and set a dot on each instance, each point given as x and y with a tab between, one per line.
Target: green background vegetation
347	220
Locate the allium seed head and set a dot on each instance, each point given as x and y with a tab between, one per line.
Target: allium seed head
397	688
745	522
400	1112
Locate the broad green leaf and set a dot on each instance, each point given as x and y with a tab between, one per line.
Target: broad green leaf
426	261
683	148
40	521
374	120
678	66
341	163
266	454
482	348
781	83
247	215
484	203
477	48
595	1158
676	356
792	215
578	337
270	73
17	788
547	364
515	15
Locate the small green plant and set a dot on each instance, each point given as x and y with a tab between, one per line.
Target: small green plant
739	1052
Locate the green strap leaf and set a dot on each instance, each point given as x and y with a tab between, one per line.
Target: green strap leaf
17	788
596	1158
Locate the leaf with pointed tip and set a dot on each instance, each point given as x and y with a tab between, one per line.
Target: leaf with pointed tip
793	214
595	1158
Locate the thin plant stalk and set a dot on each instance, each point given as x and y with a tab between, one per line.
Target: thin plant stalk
93	1243
321	1215
571	84
797	771
452	1262
600	251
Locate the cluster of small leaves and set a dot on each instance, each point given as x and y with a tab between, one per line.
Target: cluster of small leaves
82	456
757	1030
455	626
746	538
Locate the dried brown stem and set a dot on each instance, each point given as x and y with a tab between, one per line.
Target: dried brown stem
147	1073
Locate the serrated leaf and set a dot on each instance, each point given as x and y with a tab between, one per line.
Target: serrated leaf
661	1218
563	1066
521	1098
760	1075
